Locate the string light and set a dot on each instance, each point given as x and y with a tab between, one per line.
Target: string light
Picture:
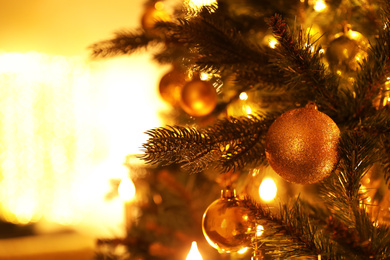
319	6
194	253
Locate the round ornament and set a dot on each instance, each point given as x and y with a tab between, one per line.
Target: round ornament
346	51
171	85
227	223
301	145
154	14
198	98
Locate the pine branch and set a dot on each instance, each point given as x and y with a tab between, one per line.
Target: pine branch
300	61
123	43
350	223
217	46
293	234
231	144
374	72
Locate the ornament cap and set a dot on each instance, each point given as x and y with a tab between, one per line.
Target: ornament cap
228	193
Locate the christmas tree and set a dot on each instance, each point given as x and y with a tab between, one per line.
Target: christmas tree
295	90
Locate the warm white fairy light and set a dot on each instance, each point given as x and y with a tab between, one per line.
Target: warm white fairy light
267	189
243	96
272	44
243	250
197	4
259	230
194	253
319	6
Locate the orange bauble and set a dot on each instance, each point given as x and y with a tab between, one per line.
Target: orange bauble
198	98
302	145
171	85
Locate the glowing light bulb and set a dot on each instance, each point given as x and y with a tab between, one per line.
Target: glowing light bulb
267	189
196	4
243	96
194	253
320	6
259	230
273	43
242	251
126	190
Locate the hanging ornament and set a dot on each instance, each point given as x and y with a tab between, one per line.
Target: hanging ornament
301	145
153	14
171	85
346	51
227	223
198	98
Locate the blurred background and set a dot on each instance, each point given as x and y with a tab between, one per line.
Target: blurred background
65	124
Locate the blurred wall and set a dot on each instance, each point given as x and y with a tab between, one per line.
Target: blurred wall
65	27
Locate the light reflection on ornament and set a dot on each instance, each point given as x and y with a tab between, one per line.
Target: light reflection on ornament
194	253
267	189
126	190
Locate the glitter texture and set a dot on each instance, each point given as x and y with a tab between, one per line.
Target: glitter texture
301	145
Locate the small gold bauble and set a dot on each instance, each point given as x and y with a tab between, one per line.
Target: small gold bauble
346	51
171	85
302	145
198	98
152	15
227	224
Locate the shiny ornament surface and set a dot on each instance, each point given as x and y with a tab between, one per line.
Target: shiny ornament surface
198	98
171	85
227	224
346	51
301	145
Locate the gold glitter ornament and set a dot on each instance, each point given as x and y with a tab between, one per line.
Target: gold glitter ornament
301	145
227	224
198	98
171	85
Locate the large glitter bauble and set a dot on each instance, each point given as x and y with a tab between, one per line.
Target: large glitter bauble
198	98
171	85
346	51
227	224
302	145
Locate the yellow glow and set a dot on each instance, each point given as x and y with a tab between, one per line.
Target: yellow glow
66	126
126	190
205	76
243	96
320	5
259	230
267	189
194	253
247	109
159	5
273	43
242	251
197	4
